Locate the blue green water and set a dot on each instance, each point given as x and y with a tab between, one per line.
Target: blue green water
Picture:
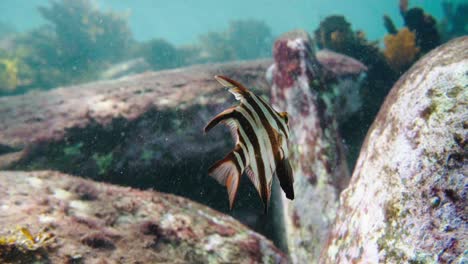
181	21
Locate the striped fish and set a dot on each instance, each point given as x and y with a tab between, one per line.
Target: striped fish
261	149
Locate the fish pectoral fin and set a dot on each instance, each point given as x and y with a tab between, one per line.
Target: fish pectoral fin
223	116
285	176
227	173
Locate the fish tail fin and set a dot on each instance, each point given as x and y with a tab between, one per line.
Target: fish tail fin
235	87
223	116
227	172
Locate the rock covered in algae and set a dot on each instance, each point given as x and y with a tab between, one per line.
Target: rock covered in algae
317	154
143	130
67	219
407	200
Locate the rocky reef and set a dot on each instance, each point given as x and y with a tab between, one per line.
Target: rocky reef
407	199
49	217
335	33
142	131
314	99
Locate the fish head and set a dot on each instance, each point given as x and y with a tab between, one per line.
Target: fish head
283	137
283	146
285	117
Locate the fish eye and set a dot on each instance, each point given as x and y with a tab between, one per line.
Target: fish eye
284	115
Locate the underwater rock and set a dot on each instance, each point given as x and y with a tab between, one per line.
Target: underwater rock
407	200
47	116
317	154
49	217
339	64
125	68
143	131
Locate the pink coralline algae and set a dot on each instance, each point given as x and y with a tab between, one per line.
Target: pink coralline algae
407	200
300	83
57	224
288	57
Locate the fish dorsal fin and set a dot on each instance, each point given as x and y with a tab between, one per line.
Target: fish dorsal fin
224	116
232	125
237	89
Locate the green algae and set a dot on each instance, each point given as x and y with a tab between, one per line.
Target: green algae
73	150
103	161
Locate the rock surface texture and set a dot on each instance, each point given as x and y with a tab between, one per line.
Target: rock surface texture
407	200
308	91
72	220
143	131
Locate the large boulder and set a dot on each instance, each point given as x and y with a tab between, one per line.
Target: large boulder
49	217
143	131
407	200
315	95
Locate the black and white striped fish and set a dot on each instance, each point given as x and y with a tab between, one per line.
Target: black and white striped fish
261	149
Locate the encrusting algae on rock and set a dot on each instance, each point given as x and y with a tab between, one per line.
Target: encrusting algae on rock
20	244
96	222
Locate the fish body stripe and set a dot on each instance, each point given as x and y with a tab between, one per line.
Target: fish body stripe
249	152
247	130
252	133
263	136
234	159
260	134
245	142
267	123
280	124
239	162
241	151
